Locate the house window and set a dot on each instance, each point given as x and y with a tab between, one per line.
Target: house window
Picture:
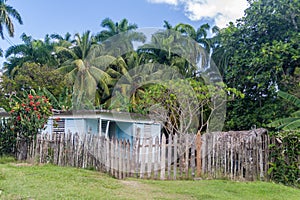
147	131
59	126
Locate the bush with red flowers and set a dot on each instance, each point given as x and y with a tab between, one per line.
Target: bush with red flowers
29	115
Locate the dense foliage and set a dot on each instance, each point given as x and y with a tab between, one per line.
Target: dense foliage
7	137
258	56
29	114
284	157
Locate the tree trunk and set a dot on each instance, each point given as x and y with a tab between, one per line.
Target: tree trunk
22	149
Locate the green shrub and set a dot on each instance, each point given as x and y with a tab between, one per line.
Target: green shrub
285	158
7	138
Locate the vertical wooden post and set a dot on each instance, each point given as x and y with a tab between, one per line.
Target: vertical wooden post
129	158
61	149
187	148
169	156
204	153
116	153
156	160
163	158
112	156
150	159
143	156
193	158
199	158
175	156
107	155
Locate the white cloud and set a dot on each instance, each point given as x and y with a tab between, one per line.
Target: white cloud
172	2
222	11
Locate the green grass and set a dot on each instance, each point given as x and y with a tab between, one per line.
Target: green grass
25	181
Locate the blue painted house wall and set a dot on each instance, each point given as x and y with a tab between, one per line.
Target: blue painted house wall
103	124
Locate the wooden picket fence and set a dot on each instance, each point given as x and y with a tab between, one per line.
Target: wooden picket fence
239	156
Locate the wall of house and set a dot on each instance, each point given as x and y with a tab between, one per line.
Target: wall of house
124	131
92	126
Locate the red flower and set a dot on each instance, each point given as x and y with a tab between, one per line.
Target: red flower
18	118
23	104
12	111
27	109
31	103
37	103
34	108
39	116
57	119
30	96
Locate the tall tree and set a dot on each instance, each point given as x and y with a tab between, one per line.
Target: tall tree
32	50
86	69
6	12
61	41
260	53
171	48
114	28
118	38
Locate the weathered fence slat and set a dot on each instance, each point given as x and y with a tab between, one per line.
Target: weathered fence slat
156	160
235	155
169	157
163	158
175	156
198	149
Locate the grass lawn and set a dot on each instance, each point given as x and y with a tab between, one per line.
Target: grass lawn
25	181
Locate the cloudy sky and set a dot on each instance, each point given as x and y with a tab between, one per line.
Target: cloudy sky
42	17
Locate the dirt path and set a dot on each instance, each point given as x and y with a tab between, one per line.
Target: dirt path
137	190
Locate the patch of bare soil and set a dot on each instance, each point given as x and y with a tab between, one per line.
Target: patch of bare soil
22	164
137	190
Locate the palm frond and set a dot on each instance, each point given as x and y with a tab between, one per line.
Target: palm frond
102	62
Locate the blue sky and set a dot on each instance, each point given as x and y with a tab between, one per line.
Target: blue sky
42	17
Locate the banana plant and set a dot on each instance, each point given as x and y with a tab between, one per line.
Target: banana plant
291	123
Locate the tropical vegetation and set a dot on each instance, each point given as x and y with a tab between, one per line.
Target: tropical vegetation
257	57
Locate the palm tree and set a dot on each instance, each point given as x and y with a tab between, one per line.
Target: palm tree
139	76
170	48
35	51
5	12
114	28
290	123
187	30
61	41
86	69
200	35
118	37
167	25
